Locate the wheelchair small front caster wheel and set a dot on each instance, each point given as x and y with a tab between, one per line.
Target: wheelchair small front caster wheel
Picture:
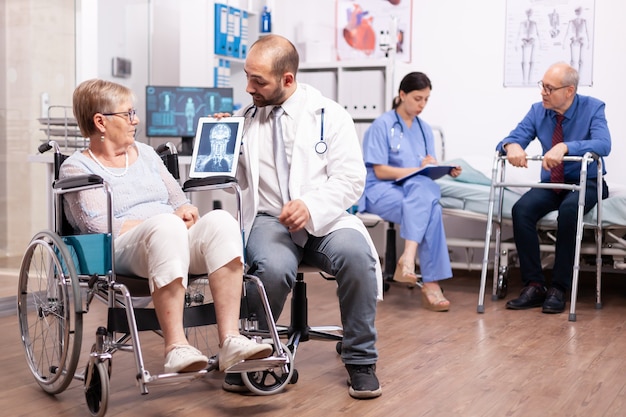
270	381
294	377
503	283
97	388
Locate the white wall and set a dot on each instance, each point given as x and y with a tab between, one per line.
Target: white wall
460	45
37	56
463	53
115	28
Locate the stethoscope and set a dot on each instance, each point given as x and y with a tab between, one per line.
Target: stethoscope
320	147
396	148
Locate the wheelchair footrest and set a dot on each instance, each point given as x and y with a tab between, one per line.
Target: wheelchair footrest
258	364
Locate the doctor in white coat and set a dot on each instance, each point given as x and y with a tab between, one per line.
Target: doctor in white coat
326	176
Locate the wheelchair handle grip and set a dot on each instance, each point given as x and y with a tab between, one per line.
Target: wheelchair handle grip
167	147
46	146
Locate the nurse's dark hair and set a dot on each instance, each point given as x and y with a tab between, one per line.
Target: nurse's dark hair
411	82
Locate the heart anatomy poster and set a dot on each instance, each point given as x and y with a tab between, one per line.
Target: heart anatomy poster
373	29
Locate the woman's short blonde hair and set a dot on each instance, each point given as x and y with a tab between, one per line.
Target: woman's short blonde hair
97	96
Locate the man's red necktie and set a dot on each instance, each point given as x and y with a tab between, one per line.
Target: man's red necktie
557	174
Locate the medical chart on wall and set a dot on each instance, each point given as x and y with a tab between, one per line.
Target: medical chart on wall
542	32
372	29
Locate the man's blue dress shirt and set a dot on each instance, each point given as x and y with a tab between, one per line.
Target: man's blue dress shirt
584	130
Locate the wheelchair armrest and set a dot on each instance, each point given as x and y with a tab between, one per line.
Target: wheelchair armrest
77	181
209	181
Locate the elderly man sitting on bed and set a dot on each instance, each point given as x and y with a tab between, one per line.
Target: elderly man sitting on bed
565	123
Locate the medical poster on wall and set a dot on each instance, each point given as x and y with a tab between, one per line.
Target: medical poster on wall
542	32
373	29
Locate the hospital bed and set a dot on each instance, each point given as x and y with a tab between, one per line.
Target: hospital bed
473	197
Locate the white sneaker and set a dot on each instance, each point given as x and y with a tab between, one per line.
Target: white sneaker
239	348
185	358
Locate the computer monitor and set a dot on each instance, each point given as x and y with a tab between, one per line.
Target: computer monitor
175	111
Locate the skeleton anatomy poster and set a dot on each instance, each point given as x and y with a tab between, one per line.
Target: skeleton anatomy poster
542	32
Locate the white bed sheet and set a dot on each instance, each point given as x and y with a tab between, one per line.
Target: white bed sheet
470	191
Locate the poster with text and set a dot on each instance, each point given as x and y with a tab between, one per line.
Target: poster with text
373	29
542	32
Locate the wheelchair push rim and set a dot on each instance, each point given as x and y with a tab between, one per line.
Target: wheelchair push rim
47	303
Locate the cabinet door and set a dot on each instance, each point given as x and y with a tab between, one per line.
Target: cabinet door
362	92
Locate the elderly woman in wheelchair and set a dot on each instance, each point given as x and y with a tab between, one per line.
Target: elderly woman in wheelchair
124	231
157	233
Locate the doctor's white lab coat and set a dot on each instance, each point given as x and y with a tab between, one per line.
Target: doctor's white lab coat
328	182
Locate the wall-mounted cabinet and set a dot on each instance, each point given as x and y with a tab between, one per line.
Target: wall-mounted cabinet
363	88
199	36
236	28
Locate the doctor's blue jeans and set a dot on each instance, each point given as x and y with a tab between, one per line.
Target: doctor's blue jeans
274	257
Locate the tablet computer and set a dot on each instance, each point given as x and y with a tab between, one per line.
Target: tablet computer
216	147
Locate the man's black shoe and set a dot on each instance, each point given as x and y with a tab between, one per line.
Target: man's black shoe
531	296
555	301
234	383
363	382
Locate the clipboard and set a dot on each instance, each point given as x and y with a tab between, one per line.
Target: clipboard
433	172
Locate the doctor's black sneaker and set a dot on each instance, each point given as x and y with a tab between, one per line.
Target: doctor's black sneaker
363	382
234	383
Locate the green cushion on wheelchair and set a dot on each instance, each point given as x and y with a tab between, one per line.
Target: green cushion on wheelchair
91	253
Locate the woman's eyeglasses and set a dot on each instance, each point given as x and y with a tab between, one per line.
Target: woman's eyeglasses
130	114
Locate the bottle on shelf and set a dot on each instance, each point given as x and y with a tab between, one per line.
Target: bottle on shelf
266	20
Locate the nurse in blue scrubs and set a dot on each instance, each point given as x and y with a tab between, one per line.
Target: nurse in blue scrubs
396	144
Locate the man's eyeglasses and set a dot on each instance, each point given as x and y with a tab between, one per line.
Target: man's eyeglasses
130	114
548	89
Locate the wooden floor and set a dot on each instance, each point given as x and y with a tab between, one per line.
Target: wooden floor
459	363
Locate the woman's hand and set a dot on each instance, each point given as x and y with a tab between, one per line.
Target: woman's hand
428	160
188	213
456	171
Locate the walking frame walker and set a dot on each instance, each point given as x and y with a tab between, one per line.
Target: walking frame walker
495	220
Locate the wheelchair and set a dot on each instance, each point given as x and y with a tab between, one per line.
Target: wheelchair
62	273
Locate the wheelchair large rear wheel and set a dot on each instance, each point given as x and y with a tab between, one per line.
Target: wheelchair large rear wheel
49	305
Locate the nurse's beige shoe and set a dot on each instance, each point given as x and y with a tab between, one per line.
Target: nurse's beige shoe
404	273
433	299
